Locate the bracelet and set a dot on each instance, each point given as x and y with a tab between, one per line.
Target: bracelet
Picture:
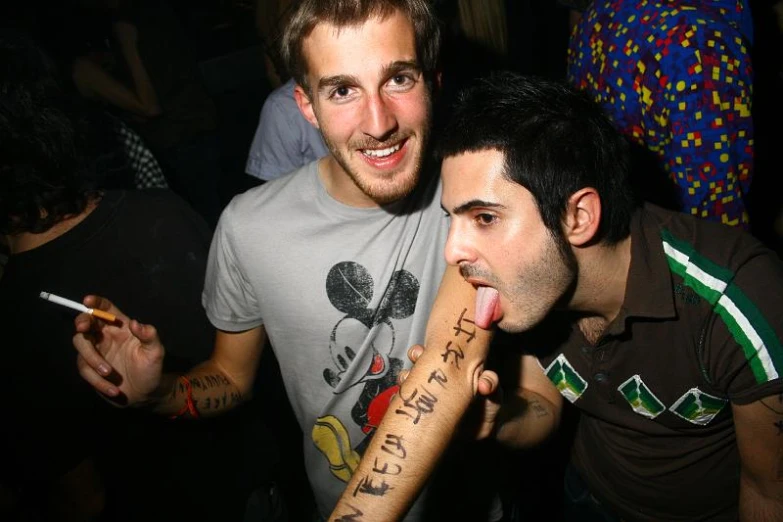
189	406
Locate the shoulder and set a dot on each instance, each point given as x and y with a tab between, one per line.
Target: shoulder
285	194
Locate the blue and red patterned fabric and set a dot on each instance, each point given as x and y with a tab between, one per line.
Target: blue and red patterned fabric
676	77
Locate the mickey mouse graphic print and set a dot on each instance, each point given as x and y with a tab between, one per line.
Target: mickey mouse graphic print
342	292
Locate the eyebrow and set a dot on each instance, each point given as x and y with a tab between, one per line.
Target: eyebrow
389	70
470	205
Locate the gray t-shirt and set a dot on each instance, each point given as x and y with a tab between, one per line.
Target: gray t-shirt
343	293
284	140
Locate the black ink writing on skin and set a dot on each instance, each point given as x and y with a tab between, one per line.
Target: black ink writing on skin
461	329
396	470
439	377
356	516
453	352
393	446
538	410
366	486
219	402
417	404
204	382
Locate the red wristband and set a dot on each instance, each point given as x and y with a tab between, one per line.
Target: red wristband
189	406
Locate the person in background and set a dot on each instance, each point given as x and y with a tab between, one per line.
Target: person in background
284	140
70	229
148	75
676	78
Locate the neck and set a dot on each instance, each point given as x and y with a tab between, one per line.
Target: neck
24	241
603	275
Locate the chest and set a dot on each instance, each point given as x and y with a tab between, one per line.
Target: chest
651	377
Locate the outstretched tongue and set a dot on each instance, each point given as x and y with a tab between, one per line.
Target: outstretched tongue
487	301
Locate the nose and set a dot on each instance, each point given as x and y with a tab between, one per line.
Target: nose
458	249
380	118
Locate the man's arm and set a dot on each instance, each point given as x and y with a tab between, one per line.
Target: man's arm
532	413
759	429
218	384
123	360
421	419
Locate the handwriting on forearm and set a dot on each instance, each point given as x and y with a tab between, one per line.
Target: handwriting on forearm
416	404
356	516
368	487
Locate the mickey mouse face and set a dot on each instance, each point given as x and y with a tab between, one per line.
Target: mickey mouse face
348	346
365	332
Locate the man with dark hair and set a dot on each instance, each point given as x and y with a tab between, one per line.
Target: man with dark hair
664	330
337	265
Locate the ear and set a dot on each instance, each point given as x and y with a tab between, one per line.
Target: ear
582	217
305	105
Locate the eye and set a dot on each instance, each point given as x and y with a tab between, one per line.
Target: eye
402	82
339	93
485	219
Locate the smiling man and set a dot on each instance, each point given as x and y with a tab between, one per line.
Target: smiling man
336	265
662	329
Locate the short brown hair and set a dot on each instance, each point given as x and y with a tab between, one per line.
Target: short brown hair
343	13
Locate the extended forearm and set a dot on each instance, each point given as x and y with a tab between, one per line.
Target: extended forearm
421	419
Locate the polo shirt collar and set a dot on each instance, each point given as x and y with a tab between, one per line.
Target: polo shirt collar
648	293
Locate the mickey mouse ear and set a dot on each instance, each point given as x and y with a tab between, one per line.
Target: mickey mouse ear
400	299
349	287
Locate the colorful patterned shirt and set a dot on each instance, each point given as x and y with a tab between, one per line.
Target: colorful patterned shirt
676	77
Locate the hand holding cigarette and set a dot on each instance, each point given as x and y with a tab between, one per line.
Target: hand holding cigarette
122	359
106	316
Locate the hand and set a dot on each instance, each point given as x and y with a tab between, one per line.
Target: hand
122	360
482	415
126	33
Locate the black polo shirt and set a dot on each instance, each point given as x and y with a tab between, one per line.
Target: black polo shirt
700	328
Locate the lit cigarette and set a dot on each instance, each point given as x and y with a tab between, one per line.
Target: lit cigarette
106	316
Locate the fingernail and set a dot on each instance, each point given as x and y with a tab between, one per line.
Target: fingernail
103	369
113	392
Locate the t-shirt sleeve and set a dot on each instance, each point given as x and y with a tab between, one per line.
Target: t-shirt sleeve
745	352
228	297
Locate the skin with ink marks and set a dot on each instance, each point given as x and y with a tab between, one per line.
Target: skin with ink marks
356	516
385	469
456	351
368	487
420	403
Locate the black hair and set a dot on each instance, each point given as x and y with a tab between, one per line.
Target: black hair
55	153
555	141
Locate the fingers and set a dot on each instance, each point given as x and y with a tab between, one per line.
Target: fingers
101	303
487	383
92	376
95	380
90	355
402	376
146	333
415	351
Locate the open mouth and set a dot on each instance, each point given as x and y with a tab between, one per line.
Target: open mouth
382	153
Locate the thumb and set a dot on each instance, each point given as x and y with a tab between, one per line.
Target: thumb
487	383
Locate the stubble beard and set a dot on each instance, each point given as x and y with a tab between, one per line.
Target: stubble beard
532	295
384	192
